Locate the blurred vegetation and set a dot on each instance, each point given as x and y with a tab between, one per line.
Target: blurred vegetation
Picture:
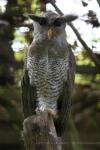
15	36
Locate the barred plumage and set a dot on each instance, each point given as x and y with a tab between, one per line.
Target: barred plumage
48	77
50	64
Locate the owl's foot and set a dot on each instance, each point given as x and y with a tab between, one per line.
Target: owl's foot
49	110
38	110
52	113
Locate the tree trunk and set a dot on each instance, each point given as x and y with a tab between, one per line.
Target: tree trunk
39	133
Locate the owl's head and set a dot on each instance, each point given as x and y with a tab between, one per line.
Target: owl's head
51	24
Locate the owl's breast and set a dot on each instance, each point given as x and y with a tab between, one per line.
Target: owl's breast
48	75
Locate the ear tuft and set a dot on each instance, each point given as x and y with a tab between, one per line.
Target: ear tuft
39	19
64	19
69	18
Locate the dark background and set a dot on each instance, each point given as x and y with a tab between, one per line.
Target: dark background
15	34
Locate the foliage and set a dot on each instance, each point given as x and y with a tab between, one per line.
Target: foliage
15	35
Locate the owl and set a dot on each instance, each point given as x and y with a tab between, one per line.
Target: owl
51	66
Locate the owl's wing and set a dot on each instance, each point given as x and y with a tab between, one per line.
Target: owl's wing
28	95
64	101
28	92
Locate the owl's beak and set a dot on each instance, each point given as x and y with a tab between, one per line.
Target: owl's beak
50	33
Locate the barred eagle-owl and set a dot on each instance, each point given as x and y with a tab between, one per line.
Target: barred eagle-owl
50	65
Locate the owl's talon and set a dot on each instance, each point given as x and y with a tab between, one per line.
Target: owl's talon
37	110
49	110
52	112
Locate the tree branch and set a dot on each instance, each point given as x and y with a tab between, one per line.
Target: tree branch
81	69
98	2
86	69
89	50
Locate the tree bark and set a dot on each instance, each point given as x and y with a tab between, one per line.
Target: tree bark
39	133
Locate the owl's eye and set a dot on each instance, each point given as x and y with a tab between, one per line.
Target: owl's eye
43	21
57	22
